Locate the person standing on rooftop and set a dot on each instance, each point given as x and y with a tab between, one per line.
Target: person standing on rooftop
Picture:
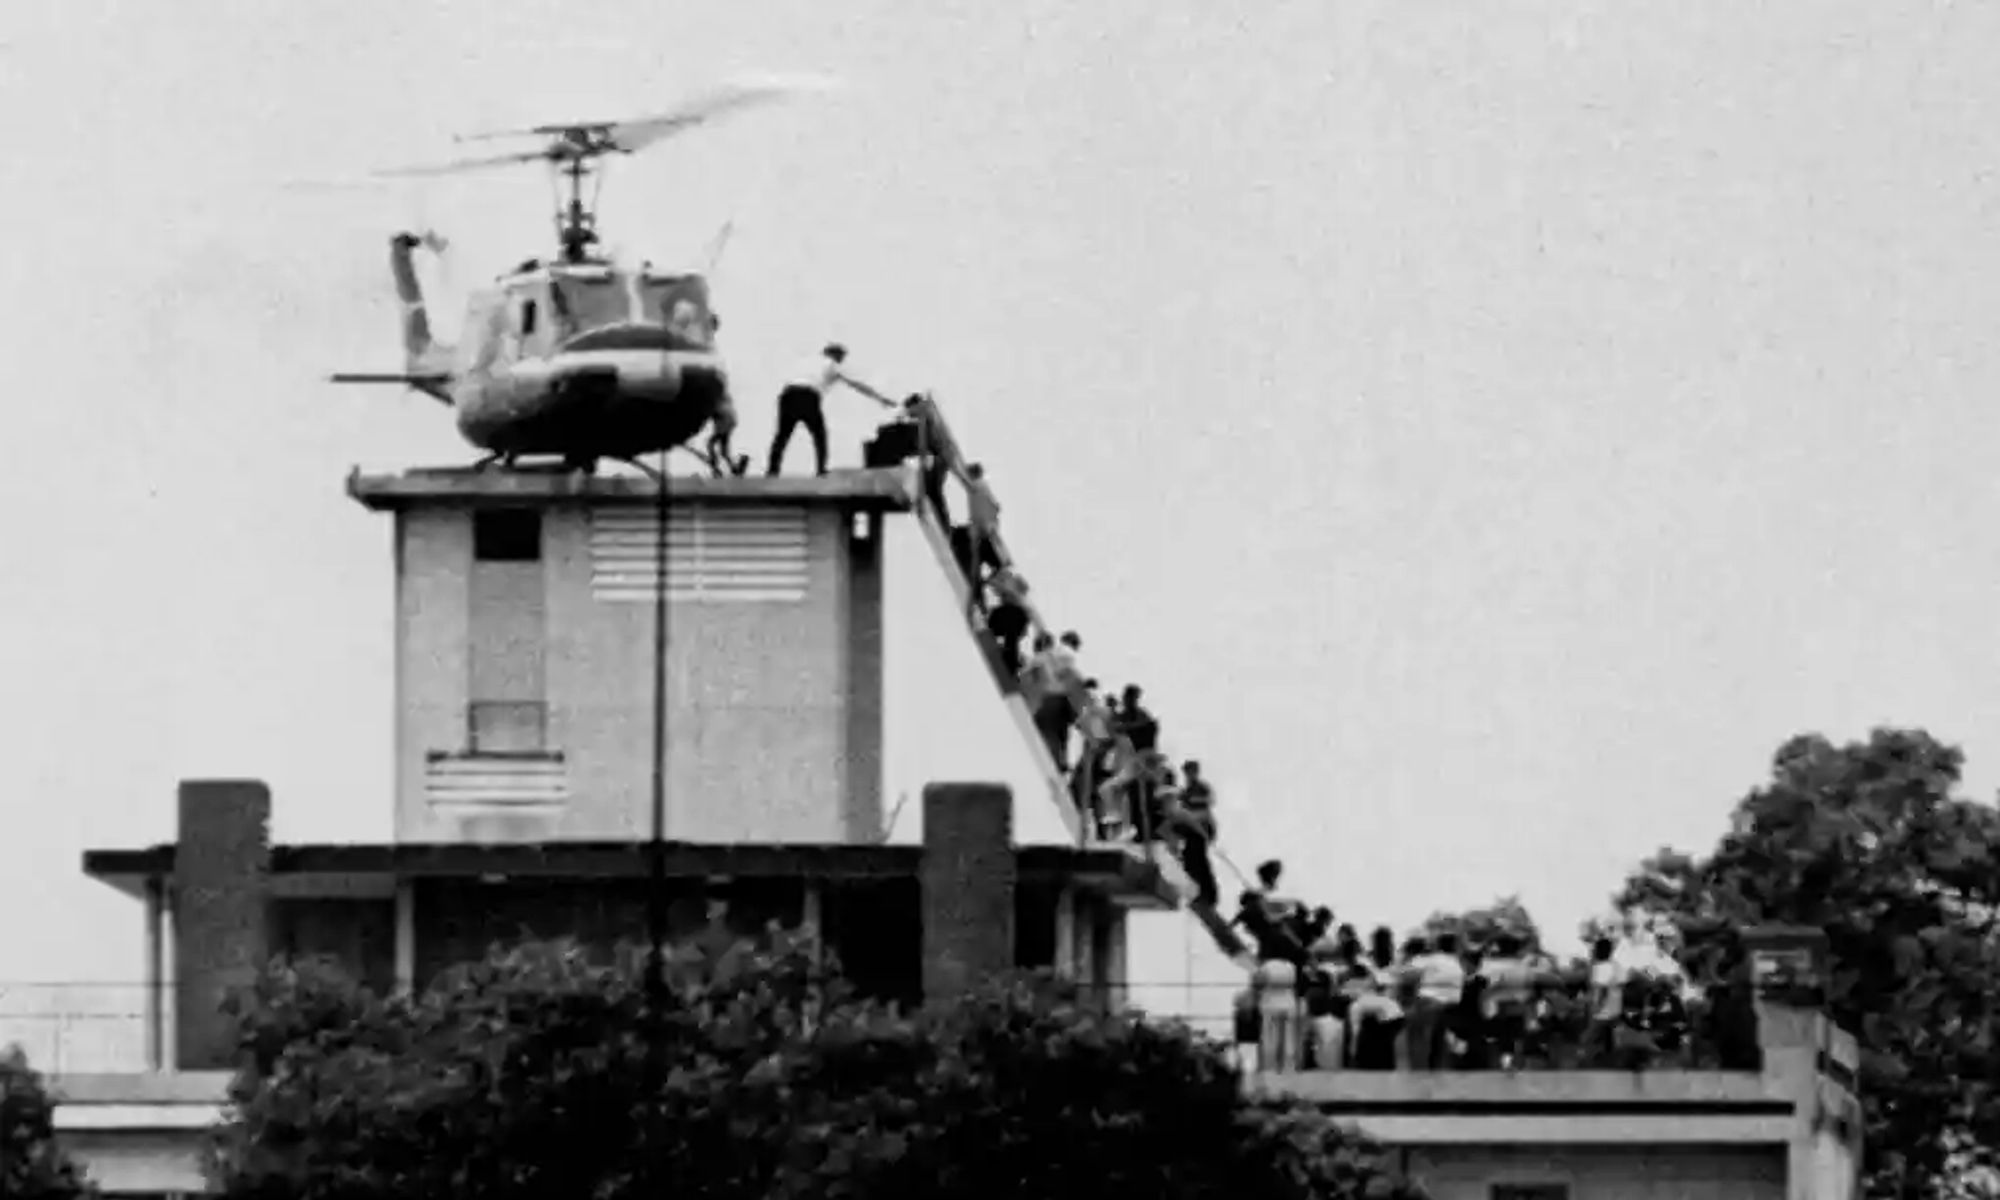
802	403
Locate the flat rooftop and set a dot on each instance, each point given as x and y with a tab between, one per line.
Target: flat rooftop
887	489
372	869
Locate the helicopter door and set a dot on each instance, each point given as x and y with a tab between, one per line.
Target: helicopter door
485	341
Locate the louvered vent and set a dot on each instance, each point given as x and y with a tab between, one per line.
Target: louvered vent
493	781
714	555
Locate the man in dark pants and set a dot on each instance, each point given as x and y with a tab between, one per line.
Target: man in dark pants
801	404
943	453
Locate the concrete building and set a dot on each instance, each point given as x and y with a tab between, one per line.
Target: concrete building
1790	1130
524	745
905	921
524	656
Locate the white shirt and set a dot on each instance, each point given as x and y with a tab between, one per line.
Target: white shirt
1606	979
821	375
1063	672
1440	977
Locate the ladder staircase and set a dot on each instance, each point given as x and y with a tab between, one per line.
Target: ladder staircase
1012	696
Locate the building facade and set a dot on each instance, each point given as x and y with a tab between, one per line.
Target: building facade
525	740
524	651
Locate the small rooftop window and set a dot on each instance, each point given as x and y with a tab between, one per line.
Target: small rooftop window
507	535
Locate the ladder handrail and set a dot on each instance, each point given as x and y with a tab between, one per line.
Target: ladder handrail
953	460
1012	697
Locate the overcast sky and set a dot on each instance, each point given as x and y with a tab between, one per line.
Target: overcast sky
1486	429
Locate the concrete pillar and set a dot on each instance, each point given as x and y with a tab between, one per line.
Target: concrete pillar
861	644
968	879
812	917
1789	966
1109	952
1067	918
221	939
156	974
406	937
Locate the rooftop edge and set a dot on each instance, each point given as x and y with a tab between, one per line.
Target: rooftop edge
885	489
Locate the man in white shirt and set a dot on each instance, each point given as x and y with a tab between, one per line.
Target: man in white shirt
1439	977
801	404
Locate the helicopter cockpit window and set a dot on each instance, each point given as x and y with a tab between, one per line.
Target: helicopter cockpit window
591	301
682	306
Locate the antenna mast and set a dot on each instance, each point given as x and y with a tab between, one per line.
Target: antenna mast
576	222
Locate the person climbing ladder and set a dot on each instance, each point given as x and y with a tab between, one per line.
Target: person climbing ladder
802	403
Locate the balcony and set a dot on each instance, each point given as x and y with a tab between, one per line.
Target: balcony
77	1028
1562	1108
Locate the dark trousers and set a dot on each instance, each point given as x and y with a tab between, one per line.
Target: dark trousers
1008	623
798	405
934	473
1424	1028
1053	717
965	545
1375	1044
1194	860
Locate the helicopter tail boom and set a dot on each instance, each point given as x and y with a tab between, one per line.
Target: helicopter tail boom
422	354
433	386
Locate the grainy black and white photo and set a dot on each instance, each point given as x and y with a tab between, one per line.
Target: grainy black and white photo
866	600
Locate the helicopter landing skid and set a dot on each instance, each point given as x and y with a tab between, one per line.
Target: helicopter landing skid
645	470
506	462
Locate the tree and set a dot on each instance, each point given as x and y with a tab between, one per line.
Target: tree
527	1077
1870	842
1479	925
32	1165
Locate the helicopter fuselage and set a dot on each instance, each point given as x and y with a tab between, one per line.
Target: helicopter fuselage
586	399
583	361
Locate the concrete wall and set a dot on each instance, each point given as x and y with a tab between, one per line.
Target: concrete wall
157	1163
774	716
1635	1172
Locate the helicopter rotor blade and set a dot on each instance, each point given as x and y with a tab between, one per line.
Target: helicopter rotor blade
465	164
726	100
636	133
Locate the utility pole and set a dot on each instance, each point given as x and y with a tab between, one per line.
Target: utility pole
652	1133
656	848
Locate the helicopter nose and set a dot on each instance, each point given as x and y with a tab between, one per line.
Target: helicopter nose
623	337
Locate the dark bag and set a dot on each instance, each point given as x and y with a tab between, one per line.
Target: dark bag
895	442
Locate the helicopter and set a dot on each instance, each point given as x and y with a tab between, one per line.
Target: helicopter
580	357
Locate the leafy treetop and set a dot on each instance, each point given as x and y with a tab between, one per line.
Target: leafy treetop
32	1165
541	1073
1870	842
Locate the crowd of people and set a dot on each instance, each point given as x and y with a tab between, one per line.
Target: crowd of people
1320	998
1106	744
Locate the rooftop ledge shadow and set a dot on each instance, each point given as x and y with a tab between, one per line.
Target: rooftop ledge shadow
1656	1090
364	869
887	489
